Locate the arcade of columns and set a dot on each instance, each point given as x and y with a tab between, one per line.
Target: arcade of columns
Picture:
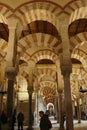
30	40
11	73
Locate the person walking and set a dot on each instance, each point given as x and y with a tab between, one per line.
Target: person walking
45	123
20	119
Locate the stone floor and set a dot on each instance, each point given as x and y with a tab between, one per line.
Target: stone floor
77	126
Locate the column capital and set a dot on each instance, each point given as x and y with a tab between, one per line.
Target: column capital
31	68
60	91
11	72
66	70
30	90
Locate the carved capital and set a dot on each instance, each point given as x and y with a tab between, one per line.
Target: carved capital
11	72
60	90
30	90
66	70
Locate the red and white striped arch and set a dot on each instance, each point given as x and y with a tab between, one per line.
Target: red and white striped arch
76	10
38	10
81	56
74	5
78	39
48	90
46	72
5	12
38	40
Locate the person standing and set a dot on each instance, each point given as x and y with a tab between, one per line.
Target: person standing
4	125
45	123
20	119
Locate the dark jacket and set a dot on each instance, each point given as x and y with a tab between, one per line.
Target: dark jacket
45	123
3	118
20	117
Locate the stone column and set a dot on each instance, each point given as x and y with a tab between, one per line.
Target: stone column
2	84
30	91
11	73
11	64
66	68
56	108
78	111
60	87
61	114
68	101
1	102
36	85
36	108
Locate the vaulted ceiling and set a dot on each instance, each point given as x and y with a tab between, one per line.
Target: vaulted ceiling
41	42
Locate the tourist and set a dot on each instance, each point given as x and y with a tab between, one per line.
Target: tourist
45	123
20	119
4	125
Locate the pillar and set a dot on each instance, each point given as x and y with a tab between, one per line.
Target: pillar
60	88
78	111
1	102
66	69
11	78
36	109
10	66
2	85
30	91
67	95
56	108
61	114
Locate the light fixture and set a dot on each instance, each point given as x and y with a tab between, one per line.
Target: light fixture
3	92
82	90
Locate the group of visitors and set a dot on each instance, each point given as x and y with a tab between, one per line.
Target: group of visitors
45	123
5	121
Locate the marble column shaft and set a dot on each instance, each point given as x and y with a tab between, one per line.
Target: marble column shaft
10	98
66	68
11	59
30	91
11	78
57	109
36	108
61	121
78	111
1	103
68	100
